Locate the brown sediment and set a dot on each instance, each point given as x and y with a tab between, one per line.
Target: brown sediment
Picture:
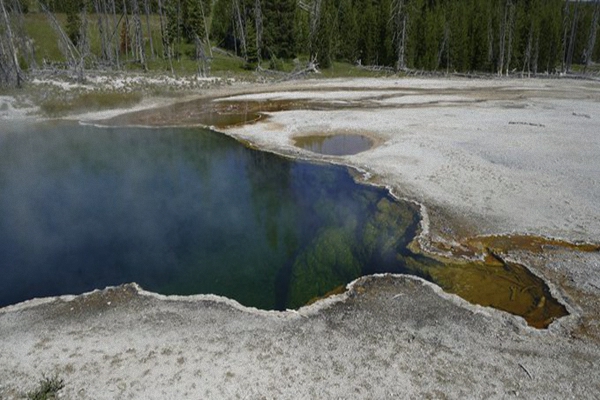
335	291
229	113
207	112
484	277
499	284
487	247
534	244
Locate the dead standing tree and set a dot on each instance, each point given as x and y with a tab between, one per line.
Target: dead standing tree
589	49
11	73
147	12
24	42
72	56
240	28
506	28
568	41
399	21
511	28
315	20
103	32
138	37
201	57
83	44
258	20
164	34
107	28
203	61
571	47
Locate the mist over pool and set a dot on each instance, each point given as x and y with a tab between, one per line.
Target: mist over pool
184	211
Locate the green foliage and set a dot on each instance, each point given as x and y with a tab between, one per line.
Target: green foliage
193	14
47	389
453	35
220	27
252	56
347	49
323	42
73	8
278	21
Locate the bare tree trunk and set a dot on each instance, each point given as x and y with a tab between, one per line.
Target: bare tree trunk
490	41
259	28
205	23
203	68
140	52
444	48
147	12
240	28
589	50
164	36
114	39
26	44
511	26
179	33
101	15
536	54
566	14
527	59
502	46
70	52
125	30
315	17
12	70
572	37
400	23
83	45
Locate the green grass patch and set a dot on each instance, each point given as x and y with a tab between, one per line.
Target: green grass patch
90	101
45	39
47	389
347	70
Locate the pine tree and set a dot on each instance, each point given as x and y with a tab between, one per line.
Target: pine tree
192	21
322	40
278	28
347	32
72	8
367	41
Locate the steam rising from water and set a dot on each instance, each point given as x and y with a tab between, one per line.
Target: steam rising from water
179	211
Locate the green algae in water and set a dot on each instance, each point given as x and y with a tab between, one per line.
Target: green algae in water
183	211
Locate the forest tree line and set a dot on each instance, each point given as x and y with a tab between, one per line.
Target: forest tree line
495	36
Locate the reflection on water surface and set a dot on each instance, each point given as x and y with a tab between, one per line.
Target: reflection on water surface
188	211
335	145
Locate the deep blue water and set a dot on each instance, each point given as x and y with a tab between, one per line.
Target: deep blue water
184	211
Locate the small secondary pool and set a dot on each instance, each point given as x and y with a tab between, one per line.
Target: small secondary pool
335	145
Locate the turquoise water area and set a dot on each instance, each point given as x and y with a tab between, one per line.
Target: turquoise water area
184	211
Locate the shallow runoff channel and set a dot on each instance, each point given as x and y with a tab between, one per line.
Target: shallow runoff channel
187	211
